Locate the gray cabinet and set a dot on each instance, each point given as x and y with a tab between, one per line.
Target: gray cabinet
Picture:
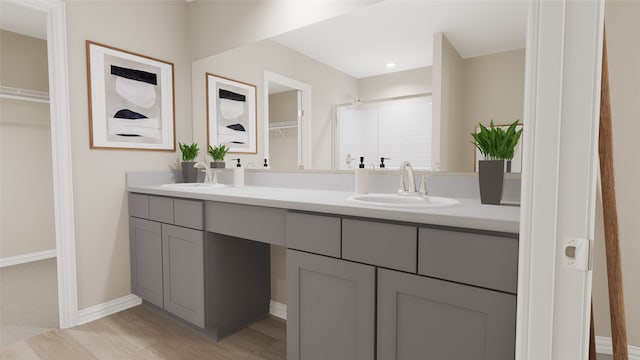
167	261
330	308
421	317
183	273
146	255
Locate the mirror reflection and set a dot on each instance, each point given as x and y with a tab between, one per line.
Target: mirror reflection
363	71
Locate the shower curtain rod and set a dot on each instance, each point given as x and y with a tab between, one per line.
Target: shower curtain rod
385	99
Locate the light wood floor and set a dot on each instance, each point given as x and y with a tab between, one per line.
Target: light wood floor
144	333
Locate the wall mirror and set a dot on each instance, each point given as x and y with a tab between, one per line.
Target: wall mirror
379	76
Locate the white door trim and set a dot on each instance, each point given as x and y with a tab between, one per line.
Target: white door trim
61	156
304	122
562	90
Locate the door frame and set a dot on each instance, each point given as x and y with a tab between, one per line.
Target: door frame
304	119
60	155
562	92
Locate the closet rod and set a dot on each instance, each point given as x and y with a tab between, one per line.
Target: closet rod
13	93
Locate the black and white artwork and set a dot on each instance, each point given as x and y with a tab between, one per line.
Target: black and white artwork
231	113
131	98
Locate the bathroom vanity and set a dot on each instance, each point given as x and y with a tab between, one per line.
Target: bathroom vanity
362	282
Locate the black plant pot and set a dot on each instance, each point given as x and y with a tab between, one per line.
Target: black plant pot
189	173
491	177
217	165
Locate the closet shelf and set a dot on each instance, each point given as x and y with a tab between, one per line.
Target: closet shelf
281	127
7	92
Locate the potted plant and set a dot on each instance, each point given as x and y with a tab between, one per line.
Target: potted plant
189	153
496	145
217	153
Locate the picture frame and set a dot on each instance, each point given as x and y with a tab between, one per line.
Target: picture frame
516	162
231	114
131	100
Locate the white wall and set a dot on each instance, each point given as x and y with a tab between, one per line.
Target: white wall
397	84
156	29
329	87
448	99
217	26
493	90
26	176
621	18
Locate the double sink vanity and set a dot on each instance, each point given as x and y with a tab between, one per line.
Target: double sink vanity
366	279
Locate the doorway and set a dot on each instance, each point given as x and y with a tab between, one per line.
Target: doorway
28	280
287	131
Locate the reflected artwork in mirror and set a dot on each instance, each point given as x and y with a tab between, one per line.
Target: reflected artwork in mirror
468	56
231	114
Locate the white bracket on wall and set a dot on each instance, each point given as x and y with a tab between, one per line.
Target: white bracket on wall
577	254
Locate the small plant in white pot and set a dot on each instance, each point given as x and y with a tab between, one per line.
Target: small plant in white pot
189	154
217	153
496	145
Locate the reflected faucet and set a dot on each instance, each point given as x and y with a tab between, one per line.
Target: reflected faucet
205	169
411	188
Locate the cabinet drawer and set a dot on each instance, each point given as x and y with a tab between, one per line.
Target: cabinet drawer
139	205
388	245
314	233
188	213
483	260
257	223
161	209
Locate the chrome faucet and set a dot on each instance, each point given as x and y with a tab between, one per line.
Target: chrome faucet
209	178
411	188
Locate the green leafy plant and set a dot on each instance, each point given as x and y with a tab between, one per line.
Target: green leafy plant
218	152
495	143
189	152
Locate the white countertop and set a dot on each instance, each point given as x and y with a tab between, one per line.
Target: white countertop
469	214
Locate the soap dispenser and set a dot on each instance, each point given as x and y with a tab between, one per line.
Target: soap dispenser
238	174
362	178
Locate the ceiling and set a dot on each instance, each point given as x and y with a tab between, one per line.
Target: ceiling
23	20
363	41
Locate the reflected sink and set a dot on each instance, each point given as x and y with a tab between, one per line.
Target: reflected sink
404	201
187	186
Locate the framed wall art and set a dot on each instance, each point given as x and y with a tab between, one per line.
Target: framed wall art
131	100
231	114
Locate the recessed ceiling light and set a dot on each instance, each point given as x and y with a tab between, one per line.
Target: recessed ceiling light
391	64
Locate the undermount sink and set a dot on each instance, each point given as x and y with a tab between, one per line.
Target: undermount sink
185	186
404	201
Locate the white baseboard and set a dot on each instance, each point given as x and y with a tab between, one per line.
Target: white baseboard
604	346
278	310
105	309
26	258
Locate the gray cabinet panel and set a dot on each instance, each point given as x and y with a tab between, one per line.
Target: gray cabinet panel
388	245
330	308
484	260
188	213
161	209
183	266
314	233
419	315
139	205
146	259
257	223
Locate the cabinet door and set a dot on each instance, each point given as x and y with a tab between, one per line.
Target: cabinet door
331	308
146	259
183	264
425	318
